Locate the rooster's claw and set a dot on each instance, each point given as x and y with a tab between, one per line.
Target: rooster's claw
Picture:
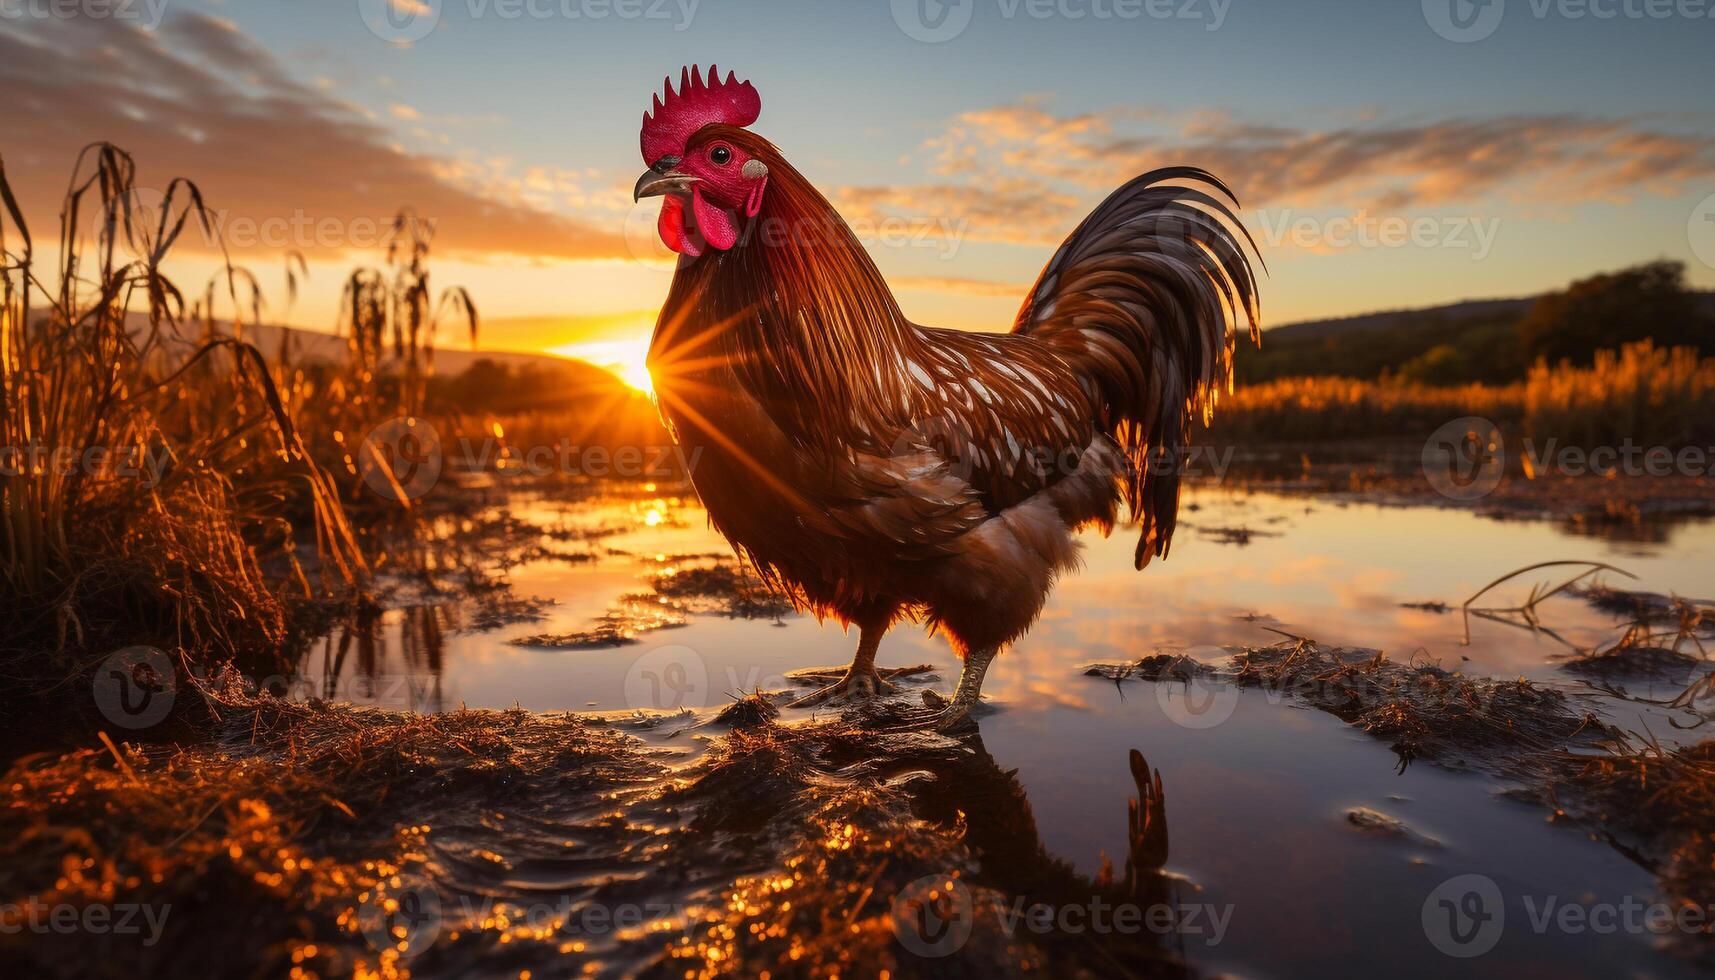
937	714
852	685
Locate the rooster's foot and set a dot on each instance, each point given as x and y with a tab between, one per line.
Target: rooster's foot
952	718
855	684
851	682
937	715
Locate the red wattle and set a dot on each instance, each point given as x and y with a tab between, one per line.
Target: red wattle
671	227
713	221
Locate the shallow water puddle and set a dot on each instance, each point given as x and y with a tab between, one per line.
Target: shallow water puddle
1257	789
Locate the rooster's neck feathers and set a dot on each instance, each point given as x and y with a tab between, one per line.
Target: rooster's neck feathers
799	313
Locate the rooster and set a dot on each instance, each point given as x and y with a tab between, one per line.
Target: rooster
874	469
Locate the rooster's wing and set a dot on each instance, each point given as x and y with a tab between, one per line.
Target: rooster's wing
1008	415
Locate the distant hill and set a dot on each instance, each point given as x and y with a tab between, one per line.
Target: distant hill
544	398
1473	340
1395	320
314	345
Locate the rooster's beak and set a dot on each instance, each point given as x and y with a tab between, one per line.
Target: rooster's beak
660	179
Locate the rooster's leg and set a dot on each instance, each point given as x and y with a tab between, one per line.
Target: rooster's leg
954	714
862	680
969	691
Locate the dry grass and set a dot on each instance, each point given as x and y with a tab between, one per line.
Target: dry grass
1318	409
107	364
1653	397
391	321
1654	803
92	553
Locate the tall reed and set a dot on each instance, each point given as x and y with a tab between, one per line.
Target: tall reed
1642	393
390	320
147	477
1318	409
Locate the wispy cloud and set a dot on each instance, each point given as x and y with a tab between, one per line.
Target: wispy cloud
198	98
1020	210
1023	174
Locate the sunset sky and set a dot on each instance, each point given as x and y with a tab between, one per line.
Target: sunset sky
1381	164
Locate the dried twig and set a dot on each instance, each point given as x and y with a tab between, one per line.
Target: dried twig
1538	593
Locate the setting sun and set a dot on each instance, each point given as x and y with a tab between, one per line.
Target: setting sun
625	358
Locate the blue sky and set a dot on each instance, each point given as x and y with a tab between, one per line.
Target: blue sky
1556	146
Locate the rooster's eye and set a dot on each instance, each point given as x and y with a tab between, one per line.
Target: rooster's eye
721	156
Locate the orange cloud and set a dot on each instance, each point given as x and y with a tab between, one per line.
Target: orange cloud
200	99
1021	174
1015	210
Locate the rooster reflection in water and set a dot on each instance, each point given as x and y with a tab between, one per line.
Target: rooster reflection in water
999	826
874	469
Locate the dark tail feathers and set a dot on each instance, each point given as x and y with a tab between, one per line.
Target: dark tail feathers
1145	296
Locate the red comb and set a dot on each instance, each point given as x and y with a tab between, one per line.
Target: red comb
697	103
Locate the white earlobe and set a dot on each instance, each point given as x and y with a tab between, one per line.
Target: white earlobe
753	169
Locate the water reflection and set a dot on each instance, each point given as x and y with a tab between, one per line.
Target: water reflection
1000	828
1346	574
393	659
809	852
